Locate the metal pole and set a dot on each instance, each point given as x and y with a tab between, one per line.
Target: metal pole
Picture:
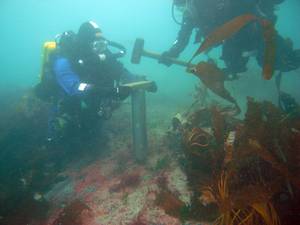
139	131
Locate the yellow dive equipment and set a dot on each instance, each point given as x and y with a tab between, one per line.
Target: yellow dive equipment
48	48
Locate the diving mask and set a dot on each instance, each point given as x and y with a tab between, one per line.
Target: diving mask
181	7
99	45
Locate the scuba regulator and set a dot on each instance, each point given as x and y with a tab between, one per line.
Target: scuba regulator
101	46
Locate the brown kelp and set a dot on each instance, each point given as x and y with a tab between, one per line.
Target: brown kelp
225	31
127	180
167	200
170	203
269	35
248	169
71	214
255	212
213	78
236	24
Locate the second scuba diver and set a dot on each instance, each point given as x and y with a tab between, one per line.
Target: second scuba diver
205	16
83	78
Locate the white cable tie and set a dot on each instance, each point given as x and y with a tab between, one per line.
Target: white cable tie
102	57
82	86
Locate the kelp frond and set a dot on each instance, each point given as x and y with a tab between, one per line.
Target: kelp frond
257	213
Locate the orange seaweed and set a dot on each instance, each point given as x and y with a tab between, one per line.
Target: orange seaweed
279	166
263	165
224	32
127	181
213	78
169	203
218	123
261	212
269	34
233	26
71	215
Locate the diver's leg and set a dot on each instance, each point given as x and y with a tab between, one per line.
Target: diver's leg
232	54
287	58
52	127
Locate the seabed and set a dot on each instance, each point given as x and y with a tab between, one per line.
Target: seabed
203	166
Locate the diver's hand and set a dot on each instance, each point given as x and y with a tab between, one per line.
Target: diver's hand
122	92
165	58
152	88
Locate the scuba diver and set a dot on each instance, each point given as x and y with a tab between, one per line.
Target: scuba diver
83	78
285	101
205	16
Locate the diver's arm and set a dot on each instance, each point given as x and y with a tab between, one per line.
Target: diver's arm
67	79
181	41
183	37
70	82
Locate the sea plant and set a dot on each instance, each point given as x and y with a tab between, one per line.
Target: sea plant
252	213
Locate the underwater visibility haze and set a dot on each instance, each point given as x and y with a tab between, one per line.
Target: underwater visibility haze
159	143
27	25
